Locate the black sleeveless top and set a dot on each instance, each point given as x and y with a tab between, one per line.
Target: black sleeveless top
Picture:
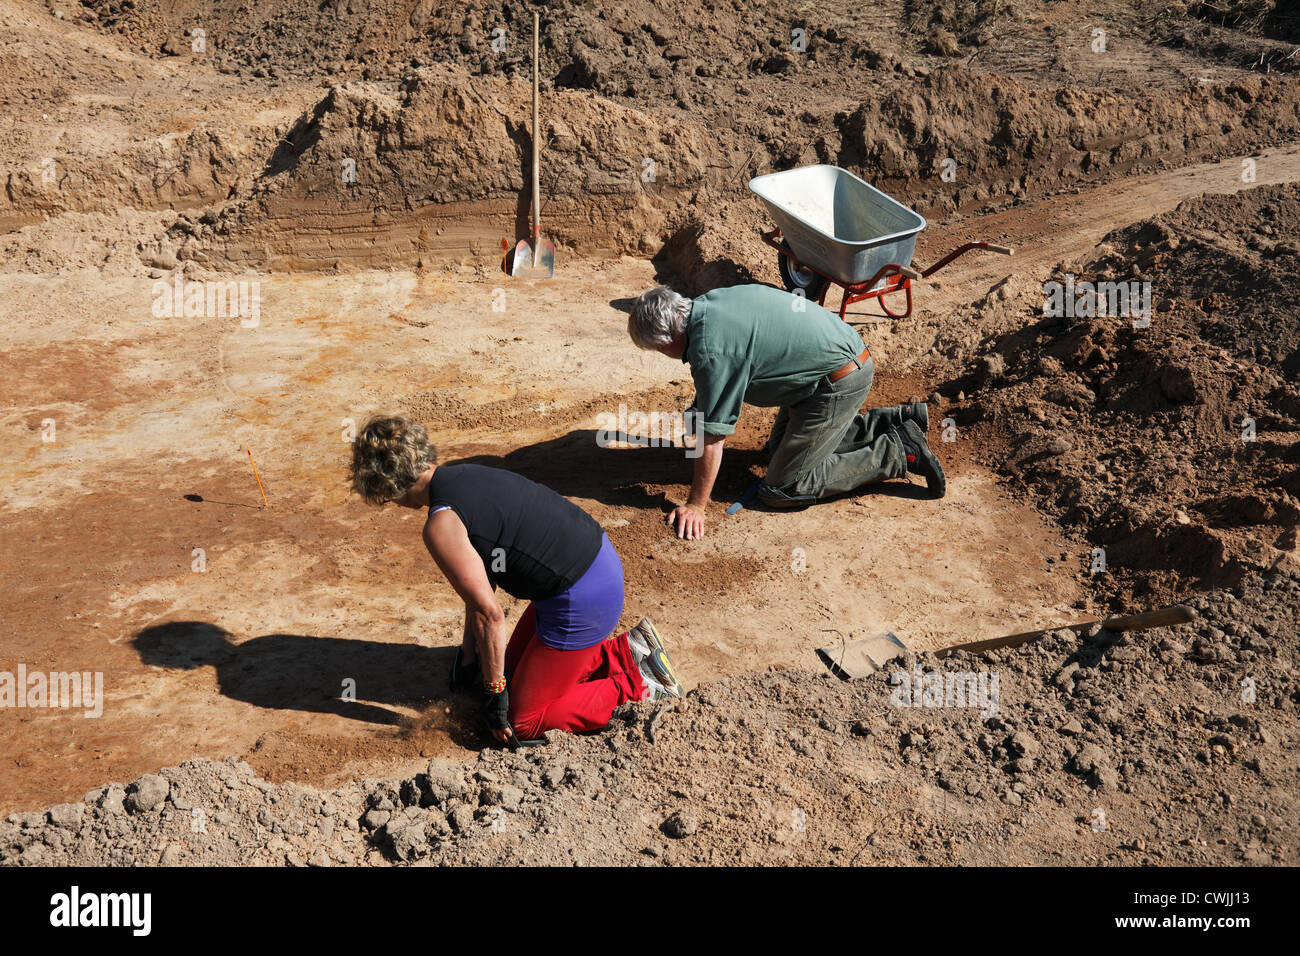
534	543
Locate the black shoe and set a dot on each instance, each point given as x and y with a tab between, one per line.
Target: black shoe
774	498
918	412
922	461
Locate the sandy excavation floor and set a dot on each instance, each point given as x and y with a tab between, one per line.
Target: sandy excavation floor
136	542
153	410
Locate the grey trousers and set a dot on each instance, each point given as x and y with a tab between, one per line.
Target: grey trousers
823	446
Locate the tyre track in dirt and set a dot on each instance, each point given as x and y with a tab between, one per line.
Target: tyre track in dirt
1065	227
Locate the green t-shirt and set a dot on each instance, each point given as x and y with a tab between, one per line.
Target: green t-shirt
757	344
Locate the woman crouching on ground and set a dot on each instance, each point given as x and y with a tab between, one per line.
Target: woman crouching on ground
490	528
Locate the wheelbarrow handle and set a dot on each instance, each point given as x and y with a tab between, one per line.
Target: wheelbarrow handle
964	248
910	273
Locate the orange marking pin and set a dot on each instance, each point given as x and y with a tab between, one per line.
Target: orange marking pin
265	503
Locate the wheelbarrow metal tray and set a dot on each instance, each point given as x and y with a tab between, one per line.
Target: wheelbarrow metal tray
837	223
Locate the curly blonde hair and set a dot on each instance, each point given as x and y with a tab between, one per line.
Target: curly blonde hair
388	455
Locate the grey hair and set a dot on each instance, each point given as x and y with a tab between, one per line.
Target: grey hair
658	316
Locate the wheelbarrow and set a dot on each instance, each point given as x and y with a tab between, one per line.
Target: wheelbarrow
836	229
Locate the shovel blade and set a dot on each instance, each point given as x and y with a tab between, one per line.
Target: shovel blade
523	259
862	657
544	262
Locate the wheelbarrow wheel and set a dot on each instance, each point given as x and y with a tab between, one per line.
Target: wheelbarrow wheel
797	279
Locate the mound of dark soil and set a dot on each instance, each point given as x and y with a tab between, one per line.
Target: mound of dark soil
1174	446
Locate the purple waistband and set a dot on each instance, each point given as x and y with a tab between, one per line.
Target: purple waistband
588	612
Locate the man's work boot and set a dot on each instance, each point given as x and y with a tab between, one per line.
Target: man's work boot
918	412
922	461
775	498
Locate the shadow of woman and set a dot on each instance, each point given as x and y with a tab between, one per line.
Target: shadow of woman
302	672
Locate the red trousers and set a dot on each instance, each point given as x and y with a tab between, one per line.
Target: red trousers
566	690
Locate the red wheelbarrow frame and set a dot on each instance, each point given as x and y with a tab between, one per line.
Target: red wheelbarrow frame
897	278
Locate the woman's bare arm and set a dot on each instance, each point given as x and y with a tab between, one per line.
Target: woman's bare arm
448	543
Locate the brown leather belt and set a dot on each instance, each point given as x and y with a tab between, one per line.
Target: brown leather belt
852	366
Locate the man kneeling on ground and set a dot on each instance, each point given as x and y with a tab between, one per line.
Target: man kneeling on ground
757	344
488	528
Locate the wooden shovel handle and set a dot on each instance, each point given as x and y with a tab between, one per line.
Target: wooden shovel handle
1005	250
537	194
1164	617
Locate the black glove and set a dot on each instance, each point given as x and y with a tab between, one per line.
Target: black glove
497	707
464	676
